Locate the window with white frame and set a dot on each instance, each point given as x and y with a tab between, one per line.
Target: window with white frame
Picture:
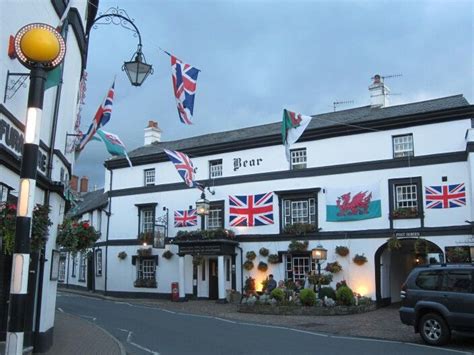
149	177
215	168
403	146
302	210
82	267
91	218
215	219
298	158
405	198
147	218
98	262
62	269
146	269
297	266
4	191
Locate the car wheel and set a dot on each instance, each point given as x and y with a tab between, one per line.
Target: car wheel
434	330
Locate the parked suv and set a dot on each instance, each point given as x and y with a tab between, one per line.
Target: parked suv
437	299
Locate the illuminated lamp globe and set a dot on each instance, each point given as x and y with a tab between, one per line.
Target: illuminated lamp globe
40	45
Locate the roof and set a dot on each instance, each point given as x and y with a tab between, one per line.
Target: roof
355	115
90	201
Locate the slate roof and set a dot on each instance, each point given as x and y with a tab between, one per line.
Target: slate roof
355	115
90	201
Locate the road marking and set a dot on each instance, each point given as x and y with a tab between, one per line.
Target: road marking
60	310
83	316
129	341
167	311
225	320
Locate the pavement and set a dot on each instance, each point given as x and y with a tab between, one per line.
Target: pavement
74	335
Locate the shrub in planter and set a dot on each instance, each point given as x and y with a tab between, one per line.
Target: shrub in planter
393	243
307	297
345	296
251	255
328	292
334	267
298	246
342	250
122	255
323	279
248	265
278	294
359	259
457	254
167	254
262	266
264	252
273	259
340	284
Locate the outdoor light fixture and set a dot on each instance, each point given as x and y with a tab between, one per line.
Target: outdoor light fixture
137	70
202	206
319	254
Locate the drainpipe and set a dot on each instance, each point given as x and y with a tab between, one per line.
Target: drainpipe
241	270
109	213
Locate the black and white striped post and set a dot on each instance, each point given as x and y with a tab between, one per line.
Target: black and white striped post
40	48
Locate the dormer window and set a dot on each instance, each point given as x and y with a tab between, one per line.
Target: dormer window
149	177
403	146
298	159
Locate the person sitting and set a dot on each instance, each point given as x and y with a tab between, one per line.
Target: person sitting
298	287
281	284
271	285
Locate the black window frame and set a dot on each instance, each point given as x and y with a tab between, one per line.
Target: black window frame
292	166
392	184
227	270
98	270
412	145
214	205
215	162
145	206
154	177
297	195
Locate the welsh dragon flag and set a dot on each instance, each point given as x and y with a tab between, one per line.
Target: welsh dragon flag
292	128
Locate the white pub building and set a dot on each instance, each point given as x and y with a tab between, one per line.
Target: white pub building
415	162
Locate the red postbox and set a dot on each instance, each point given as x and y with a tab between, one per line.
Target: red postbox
174	291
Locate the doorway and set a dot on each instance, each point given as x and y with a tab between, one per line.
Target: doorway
90	272
213	280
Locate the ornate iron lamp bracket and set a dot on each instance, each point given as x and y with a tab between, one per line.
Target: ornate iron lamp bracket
12	85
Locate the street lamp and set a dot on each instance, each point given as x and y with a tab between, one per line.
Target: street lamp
202	209
40	48
320	255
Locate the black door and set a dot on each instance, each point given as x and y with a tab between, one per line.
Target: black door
90	272
213	292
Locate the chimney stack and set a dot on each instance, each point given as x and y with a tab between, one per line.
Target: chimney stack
378	93
84	184
152	133
73	182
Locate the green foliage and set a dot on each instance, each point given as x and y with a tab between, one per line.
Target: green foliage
407	212
421	246
198	260
334	267
273	259
148	283
167	254
262	266
341	284
76	236
457	254
327	291
345	296
264	284
251	255
307	297
248	265
342	250
264	251
393	243
278	294
359	259
298	246
299	228
323	279
220	233
122	255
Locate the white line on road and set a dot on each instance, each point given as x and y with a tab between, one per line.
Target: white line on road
129	341
167	311
83	316
225	320
60	310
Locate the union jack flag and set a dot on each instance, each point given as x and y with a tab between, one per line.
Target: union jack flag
184	87
185	167
101	118
186	218
445	196
251	210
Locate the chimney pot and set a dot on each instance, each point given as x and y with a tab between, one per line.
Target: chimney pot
378	92
84	184
152	133
73	182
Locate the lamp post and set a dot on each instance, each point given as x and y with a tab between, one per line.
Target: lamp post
40	48
320	255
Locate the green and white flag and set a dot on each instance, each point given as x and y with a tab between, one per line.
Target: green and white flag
113	144
353	203
292	128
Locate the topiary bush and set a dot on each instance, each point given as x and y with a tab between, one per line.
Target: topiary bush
278	294
307	297
327	291
345	296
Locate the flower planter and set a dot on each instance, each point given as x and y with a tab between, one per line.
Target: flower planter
145	283
359	259
342	250
144	252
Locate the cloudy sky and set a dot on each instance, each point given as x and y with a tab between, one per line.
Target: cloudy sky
258	57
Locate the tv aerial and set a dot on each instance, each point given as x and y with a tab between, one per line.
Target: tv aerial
335	104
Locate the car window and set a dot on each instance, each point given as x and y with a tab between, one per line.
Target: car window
457	281
429	280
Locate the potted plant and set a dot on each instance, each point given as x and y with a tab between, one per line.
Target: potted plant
264	252
334	267
393	243
359	259
296	246
251	255
299	228
262	266
167	254
248	265
406	212
273	259
122	255
342	250
76	236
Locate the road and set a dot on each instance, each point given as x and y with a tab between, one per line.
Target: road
151	330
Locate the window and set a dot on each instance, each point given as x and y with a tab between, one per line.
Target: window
215	168
215	218
98	262
149	175
429	280
298	159
91	218
74	266
402	146
82	267
299	211
458	281
405	198
298	265
62	268
147	218
146	269
4	191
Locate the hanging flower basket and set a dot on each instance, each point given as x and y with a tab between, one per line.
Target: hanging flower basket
421	246
393	243
262	266
273	259
296	246
264	252
342	250
323	279
167	254
334	267
251	255
248	265
359	259
76	236
122	255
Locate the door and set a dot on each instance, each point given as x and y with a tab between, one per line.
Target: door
90	272
213	291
